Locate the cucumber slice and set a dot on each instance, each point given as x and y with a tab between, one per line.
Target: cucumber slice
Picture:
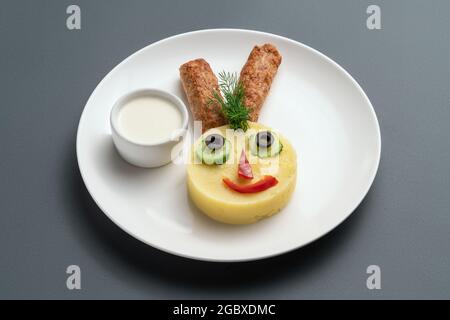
209	156
265	152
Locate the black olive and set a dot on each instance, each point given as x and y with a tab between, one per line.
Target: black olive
264	139
214	141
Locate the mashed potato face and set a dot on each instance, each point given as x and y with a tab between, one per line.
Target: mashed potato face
218	201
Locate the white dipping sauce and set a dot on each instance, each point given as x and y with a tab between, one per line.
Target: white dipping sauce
149	119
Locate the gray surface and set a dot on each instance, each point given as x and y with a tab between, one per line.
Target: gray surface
48	220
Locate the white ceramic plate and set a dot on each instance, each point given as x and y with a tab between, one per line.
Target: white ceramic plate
317	105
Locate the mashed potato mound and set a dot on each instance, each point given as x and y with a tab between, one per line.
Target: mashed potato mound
215	199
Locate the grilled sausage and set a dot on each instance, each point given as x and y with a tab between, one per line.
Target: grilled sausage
199	83
257	76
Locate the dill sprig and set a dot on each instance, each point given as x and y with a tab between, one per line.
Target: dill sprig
232	103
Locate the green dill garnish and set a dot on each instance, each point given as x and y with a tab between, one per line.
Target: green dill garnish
232	104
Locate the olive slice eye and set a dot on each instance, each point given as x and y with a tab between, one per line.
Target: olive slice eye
264	139
214	141
265	144
213	149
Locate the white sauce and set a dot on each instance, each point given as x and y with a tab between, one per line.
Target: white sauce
149	119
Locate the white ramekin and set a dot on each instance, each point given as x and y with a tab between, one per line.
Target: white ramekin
147	155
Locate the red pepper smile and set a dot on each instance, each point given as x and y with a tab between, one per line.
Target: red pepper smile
245	172
264	183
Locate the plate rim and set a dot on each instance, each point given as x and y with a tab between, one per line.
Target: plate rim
374	169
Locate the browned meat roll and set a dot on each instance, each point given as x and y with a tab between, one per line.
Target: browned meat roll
199	83
257	76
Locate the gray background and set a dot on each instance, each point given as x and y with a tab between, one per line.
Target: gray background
48	220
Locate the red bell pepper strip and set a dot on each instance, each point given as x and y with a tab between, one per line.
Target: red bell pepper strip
245	169
264	183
